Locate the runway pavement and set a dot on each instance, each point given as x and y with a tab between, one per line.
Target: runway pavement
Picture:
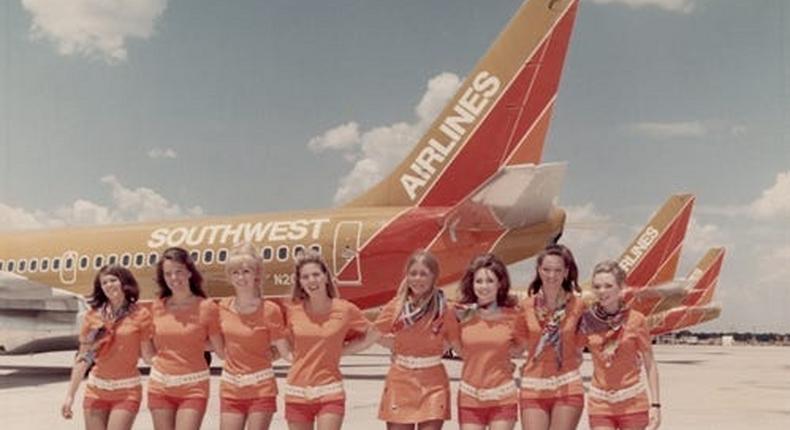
702	387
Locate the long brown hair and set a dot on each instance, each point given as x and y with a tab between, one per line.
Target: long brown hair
494	264
298	294
179	255
131	291
571	282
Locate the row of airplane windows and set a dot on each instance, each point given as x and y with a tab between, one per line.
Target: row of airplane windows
206	256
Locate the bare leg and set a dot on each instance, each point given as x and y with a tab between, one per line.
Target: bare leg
397	426
259	420
231	421
470	426
300	425
121	419
501	425
565	417
164	419
534	419
189	419
329	422
96	419
430	425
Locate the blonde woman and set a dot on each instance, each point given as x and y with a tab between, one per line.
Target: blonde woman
619	341
250	326
420	327
319	324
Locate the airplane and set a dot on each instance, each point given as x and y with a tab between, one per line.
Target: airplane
473	183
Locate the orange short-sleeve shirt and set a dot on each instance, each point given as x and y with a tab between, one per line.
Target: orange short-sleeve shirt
119	359
420	339
624	368
180	340
545	365
486	348
248	339
318	344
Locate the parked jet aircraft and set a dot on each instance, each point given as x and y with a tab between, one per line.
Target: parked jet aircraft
472	184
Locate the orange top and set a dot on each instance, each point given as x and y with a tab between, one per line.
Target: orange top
486	347
318	344
624	368
248	339
418	340
180	340
545	365
119	359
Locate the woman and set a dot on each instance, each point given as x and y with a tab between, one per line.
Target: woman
184	319
551	386
111	336
619	341
319	324
249	325
491	326
420	327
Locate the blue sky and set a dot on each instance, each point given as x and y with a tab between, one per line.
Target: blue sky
160	108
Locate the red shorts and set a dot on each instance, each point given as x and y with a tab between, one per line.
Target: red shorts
108	405
248	406
306	412
485	416
159	401
547	404
638	419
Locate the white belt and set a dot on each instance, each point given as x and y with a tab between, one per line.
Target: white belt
410	362
113	384
246	379
614	396
314	392
550	383
175	380
485	394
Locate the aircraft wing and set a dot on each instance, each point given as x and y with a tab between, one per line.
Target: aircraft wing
516	196
35	317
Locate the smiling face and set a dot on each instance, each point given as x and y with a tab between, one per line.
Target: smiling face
313	280
486	285
243	273
552	271
112	288
419	279
607	290
176	276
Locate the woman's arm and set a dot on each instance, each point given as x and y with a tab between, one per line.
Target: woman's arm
217	344
147	351
355	346
77	375
283	349
652	385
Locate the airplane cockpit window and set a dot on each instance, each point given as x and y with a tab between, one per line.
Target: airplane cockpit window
208	256
139	259
21	266
112	259
33	265
10	265
195	255
266	253
97	261
222	255
56	264
282	253
84	262
126	260
152	258
44	264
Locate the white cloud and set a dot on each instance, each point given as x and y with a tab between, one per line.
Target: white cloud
773	268
93	28
684	7
377	151
589	234
702	236
128	205
156	153
775	201
669	130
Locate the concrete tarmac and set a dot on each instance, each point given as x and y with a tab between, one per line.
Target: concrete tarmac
702	387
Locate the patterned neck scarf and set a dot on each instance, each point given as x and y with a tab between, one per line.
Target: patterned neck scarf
466	312
597	320
99	339
550	322
414	311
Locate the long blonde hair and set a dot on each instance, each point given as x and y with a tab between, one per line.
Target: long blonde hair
246	254
418	256
298	293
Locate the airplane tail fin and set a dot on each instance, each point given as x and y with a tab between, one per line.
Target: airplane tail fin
499	116
704	276
652	257
681	317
